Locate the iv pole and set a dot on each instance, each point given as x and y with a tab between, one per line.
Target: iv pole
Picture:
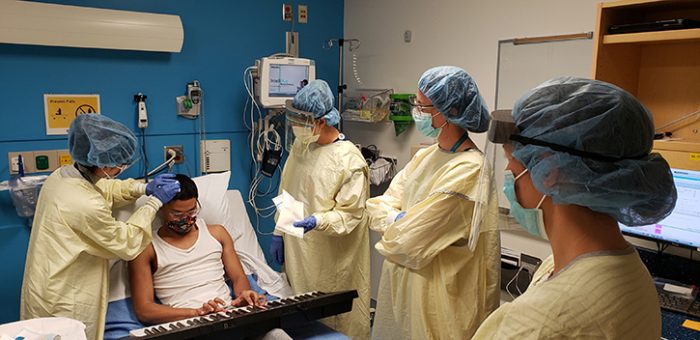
341	64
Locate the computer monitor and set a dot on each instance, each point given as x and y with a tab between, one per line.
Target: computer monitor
682	226
280	79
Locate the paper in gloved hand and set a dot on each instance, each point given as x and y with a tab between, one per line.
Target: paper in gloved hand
290	210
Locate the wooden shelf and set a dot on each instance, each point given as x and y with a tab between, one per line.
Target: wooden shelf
633	3
687	35
678	145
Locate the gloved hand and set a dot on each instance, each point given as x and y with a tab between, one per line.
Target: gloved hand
307	223
158	181
277	249
166	192
400	216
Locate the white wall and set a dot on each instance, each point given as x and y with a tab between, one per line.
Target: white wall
464	33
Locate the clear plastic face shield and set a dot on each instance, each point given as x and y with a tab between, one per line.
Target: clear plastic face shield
501	128
299	124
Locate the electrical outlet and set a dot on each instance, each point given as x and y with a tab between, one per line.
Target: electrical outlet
27	161
179	153
303	12
14	164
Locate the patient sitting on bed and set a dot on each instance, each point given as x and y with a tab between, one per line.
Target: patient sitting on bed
185	266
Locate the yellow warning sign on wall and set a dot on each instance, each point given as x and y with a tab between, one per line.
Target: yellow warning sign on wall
61	109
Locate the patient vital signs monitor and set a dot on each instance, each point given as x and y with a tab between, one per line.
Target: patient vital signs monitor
682	227
279	79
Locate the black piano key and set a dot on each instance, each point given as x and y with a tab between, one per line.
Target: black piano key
147	331
190	322
180	324
162	329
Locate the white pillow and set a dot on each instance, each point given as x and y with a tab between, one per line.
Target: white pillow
215	210
212	196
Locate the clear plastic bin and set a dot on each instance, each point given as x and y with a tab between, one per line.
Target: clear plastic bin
367	105
24	192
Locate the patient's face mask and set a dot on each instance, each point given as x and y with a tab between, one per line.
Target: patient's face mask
183	222
183	225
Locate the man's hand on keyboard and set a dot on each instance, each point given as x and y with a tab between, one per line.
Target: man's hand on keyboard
211	306
250	298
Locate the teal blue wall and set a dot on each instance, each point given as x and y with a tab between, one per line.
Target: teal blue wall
222	38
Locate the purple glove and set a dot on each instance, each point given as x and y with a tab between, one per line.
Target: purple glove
307	223
277	249
166	192
160	181
400	216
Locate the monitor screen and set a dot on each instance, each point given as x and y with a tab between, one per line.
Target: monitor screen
682	226
287	80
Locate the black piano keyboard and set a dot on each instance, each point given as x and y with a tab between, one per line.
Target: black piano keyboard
249	320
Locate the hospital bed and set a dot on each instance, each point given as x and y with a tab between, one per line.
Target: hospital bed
218	206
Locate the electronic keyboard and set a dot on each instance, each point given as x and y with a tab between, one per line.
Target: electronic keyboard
243	322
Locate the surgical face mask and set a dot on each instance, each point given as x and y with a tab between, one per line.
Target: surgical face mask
424	123
121	169
305	134
183	225
530	219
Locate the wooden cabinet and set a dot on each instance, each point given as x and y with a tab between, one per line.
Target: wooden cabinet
661	68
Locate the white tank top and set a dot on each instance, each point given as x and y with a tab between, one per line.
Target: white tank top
187	278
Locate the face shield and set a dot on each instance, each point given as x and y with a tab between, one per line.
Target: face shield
501	128
300	125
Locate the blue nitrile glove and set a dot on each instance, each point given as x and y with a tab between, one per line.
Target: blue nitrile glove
166	192
307	223
159	181
277	249
400	216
